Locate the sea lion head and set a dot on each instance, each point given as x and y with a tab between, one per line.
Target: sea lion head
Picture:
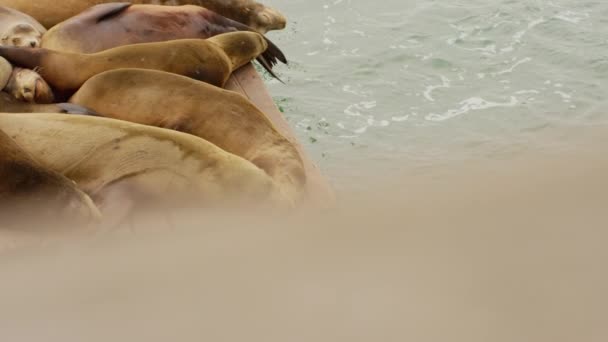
241	46
22	35
27	85
269	19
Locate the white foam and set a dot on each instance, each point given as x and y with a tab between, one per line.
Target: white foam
571	16
565	96
400	118
429	89
531	91
471	104
510	70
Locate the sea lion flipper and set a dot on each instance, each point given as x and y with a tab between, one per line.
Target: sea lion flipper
262	60
273	53
70	108
99	13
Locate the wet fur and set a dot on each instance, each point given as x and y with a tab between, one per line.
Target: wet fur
224	118
211	60
117	24
160	164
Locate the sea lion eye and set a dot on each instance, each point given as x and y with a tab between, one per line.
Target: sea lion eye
27	90
16	41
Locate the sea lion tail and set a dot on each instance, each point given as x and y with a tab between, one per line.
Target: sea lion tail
262	60
71	108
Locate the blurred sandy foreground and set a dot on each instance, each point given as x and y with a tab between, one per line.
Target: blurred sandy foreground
510	250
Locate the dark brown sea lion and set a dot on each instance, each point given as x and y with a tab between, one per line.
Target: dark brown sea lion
248	12
155	164
9	104
19	29
224	118
31	190
116	24
210	60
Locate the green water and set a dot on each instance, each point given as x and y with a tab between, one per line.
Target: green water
377	86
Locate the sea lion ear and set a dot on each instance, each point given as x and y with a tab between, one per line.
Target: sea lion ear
99	13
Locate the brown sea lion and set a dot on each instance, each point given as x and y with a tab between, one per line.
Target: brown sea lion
248	12
31	190
224	118
19	29
117	24
210	60
9	104
155	164
27	85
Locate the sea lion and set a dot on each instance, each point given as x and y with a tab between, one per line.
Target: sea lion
117	24
9	104
210	60
156	164
24	84
27	85
224	118
248	12
6	71
19	29
29	189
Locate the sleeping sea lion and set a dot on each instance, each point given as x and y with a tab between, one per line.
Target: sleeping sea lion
155	164
6	71
117	24
224	118
19	29
211	60
9	104
248	12
27	85
29	189
24	84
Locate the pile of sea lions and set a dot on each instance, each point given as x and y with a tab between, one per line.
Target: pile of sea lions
109	105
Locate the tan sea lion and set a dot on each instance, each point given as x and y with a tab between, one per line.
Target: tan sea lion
19	29
248	12
27	85
29	189
6	71
24	84
117	24
9	104
211	60
155	164
224	118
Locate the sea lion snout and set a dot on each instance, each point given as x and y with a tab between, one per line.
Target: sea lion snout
270	19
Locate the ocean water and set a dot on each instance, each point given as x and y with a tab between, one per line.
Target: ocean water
378	87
